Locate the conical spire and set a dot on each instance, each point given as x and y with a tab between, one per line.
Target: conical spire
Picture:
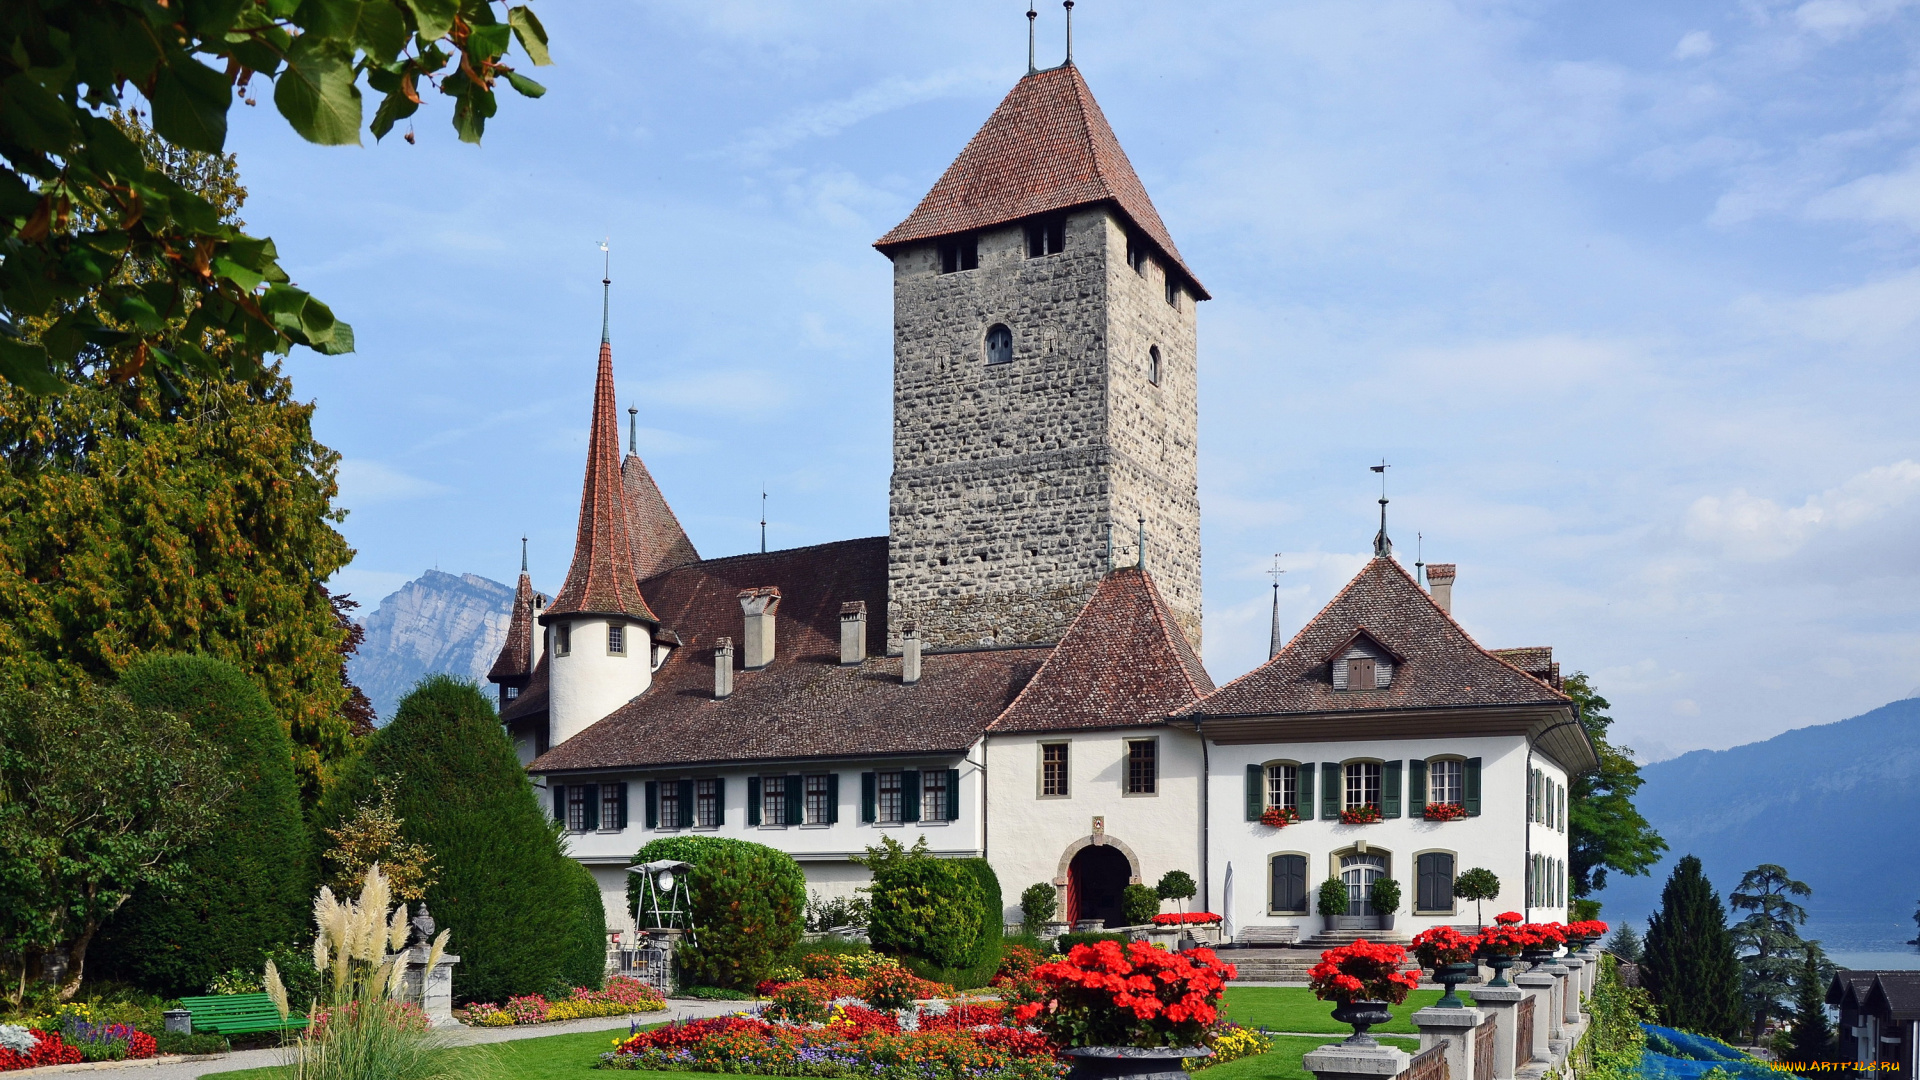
516	654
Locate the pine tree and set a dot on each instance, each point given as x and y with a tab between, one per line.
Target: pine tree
504	888
1772	933
247	887
1812	1038
1690	967
1626	944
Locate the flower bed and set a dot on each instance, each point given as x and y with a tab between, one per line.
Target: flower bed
622	996
23	1047
851	1041
1444	811
1191	918
1360	815
1279	817
885	984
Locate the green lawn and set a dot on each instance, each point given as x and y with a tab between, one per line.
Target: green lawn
1283	1061
1294	1008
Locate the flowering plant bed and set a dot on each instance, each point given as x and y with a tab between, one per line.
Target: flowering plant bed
1191	918
852	1041
622	996
888	985
1444	811
23	1047
1279	817
1139	995
1363	971
1366	814
1444	945
1509	918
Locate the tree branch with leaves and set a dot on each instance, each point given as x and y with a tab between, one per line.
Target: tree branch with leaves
1605	832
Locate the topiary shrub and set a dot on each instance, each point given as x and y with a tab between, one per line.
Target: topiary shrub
749	905
1177	885
929	908
586	956
1139	904
506	889
1038	904
248	889
1385	896
993	910
1333	897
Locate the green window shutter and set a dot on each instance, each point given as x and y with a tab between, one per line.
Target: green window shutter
753	800
620	804
593	807
653	804
953	794
560	804
1256	792
1563	809
687	814
1416	787
868	797
910	795
1332	790
1472	785
720	800
1390	788
796	805
1303	796
833	798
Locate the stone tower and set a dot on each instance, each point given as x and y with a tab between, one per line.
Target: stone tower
1044	379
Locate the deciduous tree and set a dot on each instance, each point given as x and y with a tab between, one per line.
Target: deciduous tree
1604	830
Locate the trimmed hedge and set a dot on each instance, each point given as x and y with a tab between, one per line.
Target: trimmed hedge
586	959
248	889
993	908
507	890
749	907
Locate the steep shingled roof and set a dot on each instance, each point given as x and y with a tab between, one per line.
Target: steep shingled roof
601	580
659	543
1123	662
516	656
1443	667
804	704
1047	147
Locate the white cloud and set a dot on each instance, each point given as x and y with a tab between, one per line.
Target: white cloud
1878	311
364	483
1836	19
1889	196
829	118
1694	43
1751	528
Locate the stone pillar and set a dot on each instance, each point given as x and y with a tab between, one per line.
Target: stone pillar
1456	1029
1539	986
434	992
1342	1062
1561	986
1591	973
1501	1004
1574	987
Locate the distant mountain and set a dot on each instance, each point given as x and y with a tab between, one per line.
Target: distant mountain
435	623
1838	805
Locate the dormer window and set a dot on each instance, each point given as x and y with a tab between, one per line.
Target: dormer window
999	344
1046	236
1362	664
962	253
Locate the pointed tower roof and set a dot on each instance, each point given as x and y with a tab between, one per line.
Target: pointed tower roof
601	580
516	656
1123	662
1047	147
659	543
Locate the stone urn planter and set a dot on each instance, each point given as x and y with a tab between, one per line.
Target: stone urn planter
1132	1062
1451	976
1362	1015
1499	962
1535	958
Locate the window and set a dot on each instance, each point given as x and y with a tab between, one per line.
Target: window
891	802
961	253
706	803
1053	769
1446	782
1289	885
513	693
1363	784
1137	254
583	805
819	801
933	795
670	809
563	639
1283	786
1046	236
999	344
1153	365
616	639
1142	766
773	800
1361	674
1435	888
1173	292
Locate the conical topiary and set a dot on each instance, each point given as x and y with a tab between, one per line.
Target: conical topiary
506	887
246	890
1689	963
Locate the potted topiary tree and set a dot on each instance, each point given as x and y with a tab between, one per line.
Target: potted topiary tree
1089	1004
1177	885
1476	885
1333	902
1385	898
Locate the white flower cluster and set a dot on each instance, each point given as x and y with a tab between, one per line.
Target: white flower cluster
17	1038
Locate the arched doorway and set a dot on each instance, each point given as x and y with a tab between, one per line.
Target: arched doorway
1095	879
1358	872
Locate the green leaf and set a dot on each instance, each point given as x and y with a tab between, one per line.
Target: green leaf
533	36
136	310
487	42
376	26
25	366
317	95
213	18
239	275
526	86
338	341
434	18
472	106
109	150
394	107
190	104
34	116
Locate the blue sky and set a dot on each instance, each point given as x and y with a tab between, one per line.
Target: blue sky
1626	292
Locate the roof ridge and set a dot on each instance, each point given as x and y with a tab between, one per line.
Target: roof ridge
1298	634
1488	653
763	554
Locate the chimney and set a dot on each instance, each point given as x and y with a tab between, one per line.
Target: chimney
1440	584
723	668
756	643
853	632
910	657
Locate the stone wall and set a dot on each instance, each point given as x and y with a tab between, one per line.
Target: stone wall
1007	476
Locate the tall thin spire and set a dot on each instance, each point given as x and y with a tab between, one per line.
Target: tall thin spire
1031	15
1109	547
523	554
633	429
1382	546
763	519
1419	558
1273	633
1069	6
606	294
1143	517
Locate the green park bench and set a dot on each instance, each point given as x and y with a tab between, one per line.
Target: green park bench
238	1014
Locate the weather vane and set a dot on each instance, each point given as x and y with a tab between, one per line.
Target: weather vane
1382	546
1273	634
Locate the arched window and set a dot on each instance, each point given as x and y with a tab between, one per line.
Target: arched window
1153	365
1362	784
1283	786
999	344
1446	780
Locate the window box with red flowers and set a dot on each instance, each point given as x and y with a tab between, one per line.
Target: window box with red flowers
1279	817
1364	814
1364	978
1444	811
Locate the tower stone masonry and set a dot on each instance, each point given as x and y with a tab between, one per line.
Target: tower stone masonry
1007	476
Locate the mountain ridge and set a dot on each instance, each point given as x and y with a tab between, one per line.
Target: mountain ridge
438	623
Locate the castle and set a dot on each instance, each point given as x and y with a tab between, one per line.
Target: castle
1012	671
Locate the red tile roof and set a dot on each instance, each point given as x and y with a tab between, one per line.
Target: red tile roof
1442	667
1123	662
1535	660
516	655
659	543
601	580
1047	147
